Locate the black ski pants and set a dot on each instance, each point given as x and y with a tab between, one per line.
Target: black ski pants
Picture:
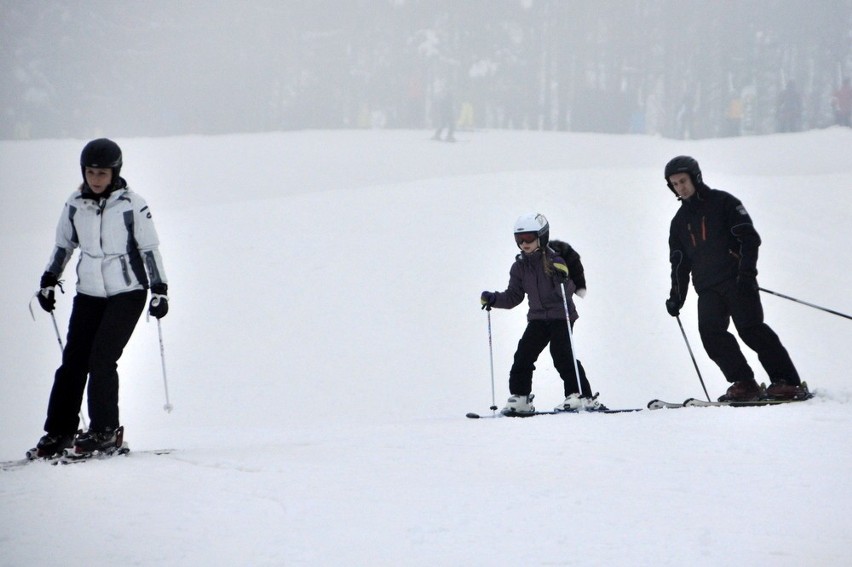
99	329
720	304
536	336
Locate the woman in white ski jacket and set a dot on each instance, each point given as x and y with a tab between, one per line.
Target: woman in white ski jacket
119	260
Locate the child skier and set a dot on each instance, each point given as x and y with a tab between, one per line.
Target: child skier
541	273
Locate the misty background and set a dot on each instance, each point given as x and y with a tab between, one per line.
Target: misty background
676	68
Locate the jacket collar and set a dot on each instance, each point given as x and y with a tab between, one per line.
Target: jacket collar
116	187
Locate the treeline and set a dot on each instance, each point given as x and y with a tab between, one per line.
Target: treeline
685	68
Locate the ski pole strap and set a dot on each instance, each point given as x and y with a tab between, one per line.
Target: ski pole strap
806	303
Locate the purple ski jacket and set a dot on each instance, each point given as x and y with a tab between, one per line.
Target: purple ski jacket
527	277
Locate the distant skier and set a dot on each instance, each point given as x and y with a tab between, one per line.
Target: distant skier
119	261
445	115
539	272
712	238
789	109
841	103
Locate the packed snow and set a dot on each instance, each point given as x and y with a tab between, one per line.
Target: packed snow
325	341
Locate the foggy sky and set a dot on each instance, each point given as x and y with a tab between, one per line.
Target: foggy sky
676	68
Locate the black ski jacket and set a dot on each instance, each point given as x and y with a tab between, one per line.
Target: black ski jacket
712	237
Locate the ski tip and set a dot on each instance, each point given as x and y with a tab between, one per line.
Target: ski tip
472	415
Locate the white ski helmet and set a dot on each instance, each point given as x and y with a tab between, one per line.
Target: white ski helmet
534	222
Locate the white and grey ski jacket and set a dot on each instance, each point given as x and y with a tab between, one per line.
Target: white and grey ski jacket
117	240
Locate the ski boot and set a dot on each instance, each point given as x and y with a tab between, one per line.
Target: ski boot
576	402
572	403
593	403
742	391
102	442
51	445
519	405
781	390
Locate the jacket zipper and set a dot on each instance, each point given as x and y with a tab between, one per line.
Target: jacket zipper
703	232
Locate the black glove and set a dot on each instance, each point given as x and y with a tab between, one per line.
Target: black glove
673	304
560	270
747	285
487	299
46	296
673	307
159	305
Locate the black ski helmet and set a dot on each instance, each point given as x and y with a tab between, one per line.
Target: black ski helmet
683	164
101	153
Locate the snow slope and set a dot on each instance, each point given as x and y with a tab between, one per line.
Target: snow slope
325	341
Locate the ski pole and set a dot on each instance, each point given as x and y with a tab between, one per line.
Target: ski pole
58	336
694	363
806	303
61	350
168	407
491	360
55	326
571	341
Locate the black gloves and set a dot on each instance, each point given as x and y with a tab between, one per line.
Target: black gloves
747	285
46	296
487	299
159	305
673	304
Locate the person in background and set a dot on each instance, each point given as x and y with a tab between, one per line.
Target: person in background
789	109
119	261
712	238
445	114
841	103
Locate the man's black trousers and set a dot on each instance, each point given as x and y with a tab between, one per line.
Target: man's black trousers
717	307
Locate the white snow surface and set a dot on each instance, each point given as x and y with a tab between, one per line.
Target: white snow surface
325	341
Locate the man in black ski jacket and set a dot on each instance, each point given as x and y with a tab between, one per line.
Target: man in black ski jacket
712	238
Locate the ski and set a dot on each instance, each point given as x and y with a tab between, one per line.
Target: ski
695	403
660	404
63	459
763	401
473	415
19	463
617	410
70	458
32	456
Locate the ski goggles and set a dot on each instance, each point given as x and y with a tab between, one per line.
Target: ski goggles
526	237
